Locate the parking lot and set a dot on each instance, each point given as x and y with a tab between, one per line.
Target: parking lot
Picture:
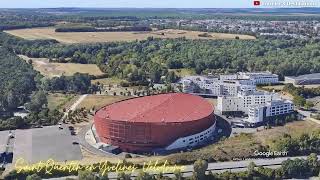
41	144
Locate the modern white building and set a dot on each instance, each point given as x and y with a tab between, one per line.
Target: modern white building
228	76
243	100
260	77
215	87
229	84
258	105
257	77
258	114
193	140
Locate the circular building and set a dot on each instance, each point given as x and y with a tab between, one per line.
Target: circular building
159	122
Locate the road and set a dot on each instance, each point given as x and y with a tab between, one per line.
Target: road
219	167
74	106
233	166
307	116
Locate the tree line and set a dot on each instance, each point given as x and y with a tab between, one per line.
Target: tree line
301	93
153	57
291	168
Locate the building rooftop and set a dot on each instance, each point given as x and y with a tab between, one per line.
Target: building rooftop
247	93
173	107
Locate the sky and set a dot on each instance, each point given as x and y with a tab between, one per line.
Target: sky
134	3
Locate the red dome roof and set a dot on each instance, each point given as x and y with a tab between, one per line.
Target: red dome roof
174	107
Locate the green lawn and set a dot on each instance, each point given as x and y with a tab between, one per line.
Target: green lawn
108	81
183	72
60	101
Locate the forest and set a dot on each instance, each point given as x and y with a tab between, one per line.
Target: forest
21	85
152	58
17	81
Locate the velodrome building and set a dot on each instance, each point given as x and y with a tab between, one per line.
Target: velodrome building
162	122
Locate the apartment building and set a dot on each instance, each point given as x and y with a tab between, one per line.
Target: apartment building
258	114
215	87
243	100
260	77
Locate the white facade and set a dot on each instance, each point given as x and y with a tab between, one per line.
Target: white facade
229	103
256	98
279	107
229	84
260	77
244	100
273	108
193	140
216	87
257	77
228	77
255	114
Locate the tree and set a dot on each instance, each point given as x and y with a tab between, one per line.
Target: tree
297	168
33	177
299	101
199	169
124	176
178	175
144	176
313	163
104	176
308	105
101	57
251	168
38	101
171	77
87	175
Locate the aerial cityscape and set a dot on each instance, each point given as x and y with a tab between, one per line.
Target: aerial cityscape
146	90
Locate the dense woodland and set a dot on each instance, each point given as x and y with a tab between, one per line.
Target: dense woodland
17	81
151	59
21	85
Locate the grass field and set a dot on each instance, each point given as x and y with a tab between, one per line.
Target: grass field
58	69
98	101
294	129
243	145
60	101
88	37
183	72
108	81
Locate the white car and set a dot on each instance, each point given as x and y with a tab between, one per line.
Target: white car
11	135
